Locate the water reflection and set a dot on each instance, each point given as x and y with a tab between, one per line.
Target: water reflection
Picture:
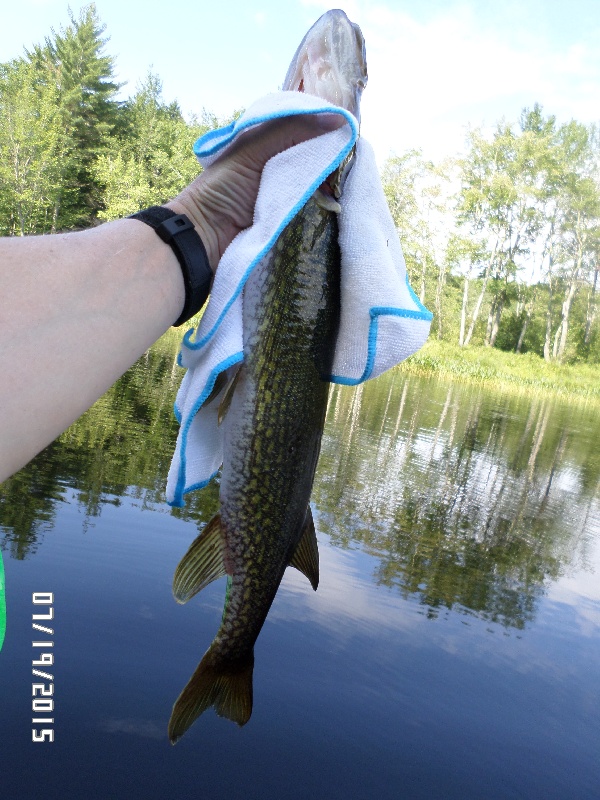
121	446
469	500
431	500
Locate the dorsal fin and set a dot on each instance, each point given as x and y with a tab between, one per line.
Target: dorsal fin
202	564
306	555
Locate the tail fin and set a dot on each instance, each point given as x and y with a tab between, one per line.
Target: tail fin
226	687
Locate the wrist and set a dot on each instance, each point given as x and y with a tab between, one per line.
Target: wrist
180	233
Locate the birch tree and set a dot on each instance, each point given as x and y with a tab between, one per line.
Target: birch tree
34	149
578	247
465	257
502	202
576	239
419	201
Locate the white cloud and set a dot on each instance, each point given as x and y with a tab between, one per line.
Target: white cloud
347	599
146	728
581	590
431	78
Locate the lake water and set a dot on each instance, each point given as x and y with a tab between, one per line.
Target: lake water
451	651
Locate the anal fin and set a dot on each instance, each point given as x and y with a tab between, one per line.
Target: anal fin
306	555
202	564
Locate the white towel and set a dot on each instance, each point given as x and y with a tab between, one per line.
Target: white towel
382	321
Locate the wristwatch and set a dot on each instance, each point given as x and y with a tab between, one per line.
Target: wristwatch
178	231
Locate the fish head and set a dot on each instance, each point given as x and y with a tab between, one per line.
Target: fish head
331	62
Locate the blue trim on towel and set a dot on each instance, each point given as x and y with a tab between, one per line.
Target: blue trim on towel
180	488
209	145
203	147
215	134
200	485
382	311
229	132
427	314
262	253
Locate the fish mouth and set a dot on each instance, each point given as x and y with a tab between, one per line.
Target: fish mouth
331	62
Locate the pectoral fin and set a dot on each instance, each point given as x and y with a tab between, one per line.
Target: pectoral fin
202	564
227	397
220	382
306	556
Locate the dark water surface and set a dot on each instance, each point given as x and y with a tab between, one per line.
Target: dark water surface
452	650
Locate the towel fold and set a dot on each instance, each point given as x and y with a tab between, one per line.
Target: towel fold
382	321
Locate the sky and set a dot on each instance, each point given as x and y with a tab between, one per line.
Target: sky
436	67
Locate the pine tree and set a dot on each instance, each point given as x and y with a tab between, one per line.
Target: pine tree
74	62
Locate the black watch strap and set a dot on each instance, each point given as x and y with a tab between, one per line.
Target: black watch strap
178	231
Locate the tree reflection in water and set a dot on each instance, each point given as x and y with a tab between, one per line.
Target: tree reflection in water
470	500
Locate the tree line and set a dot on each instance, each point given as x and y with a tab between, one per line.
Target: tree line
501	243
72	154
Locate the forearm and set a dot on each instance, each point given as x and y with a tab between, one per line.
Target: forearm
76	310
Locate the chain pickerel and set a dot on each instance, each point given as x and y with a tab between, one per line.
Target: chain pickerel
274	410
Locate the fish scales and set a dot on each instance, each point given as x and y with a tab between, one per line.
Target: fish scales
273	434
291	313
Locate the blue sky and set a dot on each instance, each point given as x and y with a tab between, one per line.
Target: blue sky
435	66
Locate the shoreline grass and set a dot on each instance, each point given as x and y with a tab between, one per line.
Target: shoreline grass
523	373
519	373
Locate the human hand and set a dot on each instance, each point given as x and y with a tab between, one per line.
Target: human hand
220	202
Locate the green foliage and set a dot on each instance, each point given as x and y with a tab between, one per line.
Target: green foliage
411	188
56	116
34	150
527	208
74	63
71	152
520	373
150	159
502	245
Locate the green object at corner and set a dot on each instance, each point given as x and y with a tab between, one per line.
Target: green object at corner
2	602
